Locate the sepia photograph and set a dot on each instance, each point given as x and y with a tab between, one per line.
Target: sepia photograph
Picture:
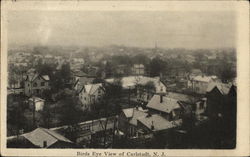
121	79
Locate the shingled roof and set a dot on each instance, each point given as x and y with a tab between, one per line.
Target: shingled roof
39	135
134	113
167	105
158	122
222	87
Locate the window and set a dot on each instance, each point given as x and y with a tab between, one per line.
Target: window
202	105
35	84
42	83
37	91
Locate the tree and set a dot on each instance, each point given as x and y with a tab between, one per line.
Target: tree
108	69
70	112
46	115
156	67
150	86
61	78
45	69
226	73
141	59
65	73
85	68
15	117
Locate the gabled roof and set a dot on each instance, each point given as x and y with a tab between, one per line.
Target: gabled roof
39	135
33	77
203	78
91	88
36	99
83	80
45	77
128	112
222	87
134	113
158	122
167	105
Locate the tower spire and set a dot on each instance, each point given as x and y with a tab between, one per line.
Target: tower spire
156	48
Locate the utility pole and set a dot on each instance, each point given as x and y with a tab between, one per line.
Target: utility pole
48	122
129	95
114	129
33	108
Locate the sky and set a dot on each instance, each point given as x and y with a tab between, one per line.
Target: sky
168	29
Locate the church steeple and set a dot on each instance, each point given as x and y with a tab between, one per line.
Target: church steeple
156	47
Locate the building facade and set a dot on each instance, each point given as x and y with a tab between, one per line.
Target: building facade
90	94
36	84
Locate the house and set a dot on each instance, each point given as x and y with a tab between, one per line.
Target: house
190	59
78	60
90	94
169	108
222	110
199	84
15	91
219	96
144	86
121	69
36	84
156	123
41	138
177	72
127	122
48	56
80	78
36	103
138	69
195	72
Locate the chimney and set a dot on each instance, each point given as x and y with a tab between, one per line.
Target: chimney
161	75
103	75
161	98
44	144
152	126
148	115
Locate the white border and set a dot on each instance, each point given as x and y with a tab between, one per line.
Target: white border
242	11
